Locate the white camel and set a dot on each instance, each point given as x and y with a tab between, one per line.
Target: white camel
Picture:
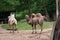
12	21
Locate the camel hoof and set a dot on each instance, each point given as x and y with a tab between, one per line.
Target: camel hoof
32	32
17	32
10	32
40	32
13	32
35	32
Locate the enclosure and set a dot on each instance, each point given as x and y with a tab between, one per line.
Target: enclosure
21	8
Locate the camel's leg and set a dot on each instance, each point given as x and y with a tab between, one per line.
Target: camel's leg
41	25
13	29
10	28
41	29
32	29
16	28
35	28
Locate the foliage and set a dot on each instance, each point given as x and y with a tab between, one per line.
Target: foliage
23	7
7	5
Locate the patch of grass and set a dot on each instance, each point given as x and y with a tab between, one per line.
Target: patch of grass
23	25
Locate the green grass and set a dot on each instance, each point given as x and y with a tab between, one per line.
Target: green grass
23	25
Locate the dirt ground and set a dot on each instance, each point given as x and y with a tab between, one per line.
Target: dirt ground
25	35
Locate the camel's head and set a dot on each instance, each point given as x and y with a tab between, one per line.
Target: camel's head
27	17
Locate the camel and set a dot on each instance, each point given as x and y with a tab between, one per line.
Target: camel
12	21
34	20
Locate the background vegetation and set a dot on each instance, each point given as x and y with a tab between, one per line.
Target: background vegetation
23	25
23	7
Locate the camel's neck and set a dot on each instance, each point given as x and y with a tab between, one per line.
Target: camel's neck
28	19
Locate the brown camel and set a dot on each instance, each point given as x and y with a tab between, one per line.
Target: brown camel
34	20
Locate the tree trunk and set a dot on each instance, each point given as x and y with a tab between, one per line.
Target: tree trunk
56	32
57	9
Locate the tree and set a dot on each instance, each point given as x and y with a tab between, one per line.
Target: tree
56	29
